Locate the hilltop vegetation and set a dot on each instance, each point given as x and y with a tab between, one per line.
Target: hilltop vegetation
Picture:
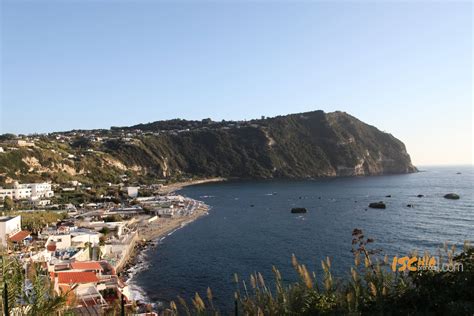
306	145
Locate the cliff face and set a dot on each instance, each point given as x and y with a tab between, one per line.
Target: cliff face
334	144
313	144
306	145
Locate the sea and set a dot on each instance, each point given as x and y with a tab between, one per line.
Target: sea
250	228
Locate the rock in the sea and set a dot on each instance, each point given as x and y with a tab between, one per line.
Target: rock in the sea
298	210
451	196
377	205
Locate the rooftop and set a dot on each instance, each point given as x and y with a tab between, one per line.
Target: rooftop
77	277
6	218
20	236
86	265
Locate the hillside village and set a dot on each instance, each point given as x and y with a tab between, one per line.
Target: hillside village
76	138
84	248
92	156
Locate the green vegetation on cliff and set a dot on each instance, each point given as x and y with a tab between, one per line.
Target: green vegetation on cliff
305	145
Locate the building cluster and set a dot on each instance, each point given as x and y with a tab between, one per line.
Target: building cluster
124	134
17	142
85	253
170	206
75	260
31	191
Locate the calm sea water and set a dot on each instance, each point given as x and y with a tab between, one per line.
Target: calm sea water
238	238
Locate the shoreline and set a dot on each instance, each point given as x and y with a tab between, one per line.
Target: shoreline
173	187
149	238
163	226
152	233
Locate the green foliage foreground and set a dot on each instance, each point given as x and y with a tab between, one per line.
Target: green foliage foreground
30	291
372	289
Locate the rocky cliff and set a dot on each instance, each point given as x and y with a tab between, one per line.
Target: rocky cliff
305	145
313	144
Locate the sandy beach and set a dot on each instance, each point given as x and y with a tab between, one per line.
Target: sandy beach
163	226
170	188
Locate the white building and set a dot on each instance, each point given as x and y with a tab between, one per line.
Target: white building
22	143
31	191
40	190
80	237
42	202
15	193
9	226
132	191
60	241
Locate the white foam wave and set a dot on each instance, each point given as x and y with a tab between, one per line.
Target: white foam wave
137	293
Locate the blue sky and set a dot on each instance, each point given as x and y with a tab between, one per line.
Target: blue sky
405	67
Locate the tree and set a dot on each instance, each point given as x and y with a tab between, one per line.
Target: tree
6	137
105	230
82	143
8	203
35	221
88	245
102	241
31	293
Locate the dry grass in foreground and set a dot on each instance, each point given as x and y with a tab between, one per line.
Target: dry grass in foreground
373	288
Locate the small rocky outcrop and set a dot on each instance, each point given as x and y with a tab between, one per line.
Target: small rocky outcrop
452	196
380	205
298	210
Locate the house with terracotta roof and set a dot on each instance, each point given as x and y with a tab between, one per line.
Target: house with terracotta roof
82	288
23	237
9	226
90	266
88	284
73	277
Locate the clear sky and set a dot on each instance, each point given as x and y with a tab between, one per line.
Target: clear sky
405	67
